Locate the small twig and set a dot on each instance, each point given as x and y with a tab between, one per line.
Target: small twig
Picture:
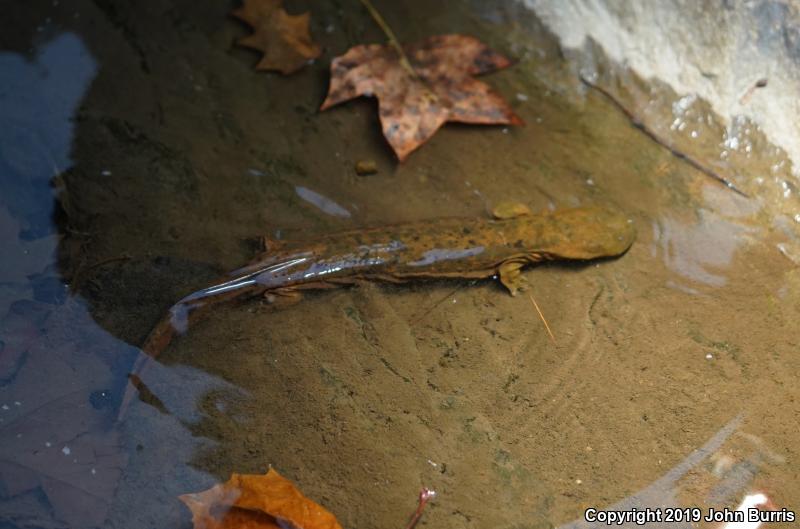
425	495
546	326
107	261
430	309
761	83
73	231
77	280
639	124
393	42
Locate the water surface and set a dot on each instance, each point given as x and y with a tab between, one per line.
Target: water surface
145	157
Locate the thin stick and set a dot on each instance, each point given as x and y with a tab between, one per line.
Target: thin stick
77	279
107	261
546	326
639	124
761	83
430	309
393	42
425	495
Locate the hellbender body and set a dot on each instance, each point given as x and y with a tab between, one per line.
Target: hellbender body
464	248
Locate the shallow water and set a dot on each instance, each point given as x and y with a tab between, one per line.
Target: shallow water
144	158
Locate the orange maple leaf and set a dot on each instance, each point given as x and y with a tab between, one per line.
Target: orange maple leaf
414	104
283	38
251	501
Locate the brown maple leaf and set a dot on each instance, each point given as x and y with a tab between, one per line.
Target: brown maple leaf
283	38
413	104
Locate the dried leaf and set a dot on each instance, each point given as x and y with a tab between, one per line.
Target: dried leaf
283	38
249	501
413	107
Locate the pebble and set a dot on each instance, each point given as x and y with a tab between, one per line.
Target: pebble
366	167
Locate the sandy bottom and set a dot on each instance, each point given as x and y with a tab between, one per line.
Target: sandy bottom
182	154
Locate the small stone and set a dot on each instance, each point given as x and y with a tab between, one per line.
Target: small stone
366	167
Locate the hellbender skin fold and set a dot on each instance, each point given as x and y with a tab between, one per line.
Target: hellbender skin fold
464	248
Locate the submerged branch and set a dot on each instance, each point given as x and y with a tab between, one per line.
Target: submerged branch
639	124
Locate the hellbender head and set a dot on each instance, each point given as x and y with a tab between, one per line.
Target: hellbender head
584	233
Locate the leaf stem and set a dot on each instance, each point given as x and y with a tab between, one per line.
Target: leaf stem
393	42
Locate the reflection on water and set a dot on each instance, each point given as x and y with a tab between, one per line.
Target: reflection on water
322	202
38	98
164	441
664	491
700	252
59	460
56	401
61	454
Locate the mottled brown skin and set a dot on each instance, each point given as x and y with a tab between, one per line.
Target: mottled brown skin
465	248
578	234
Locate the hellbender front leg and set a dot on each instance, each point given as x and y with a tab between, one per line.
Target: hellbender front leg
511	277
